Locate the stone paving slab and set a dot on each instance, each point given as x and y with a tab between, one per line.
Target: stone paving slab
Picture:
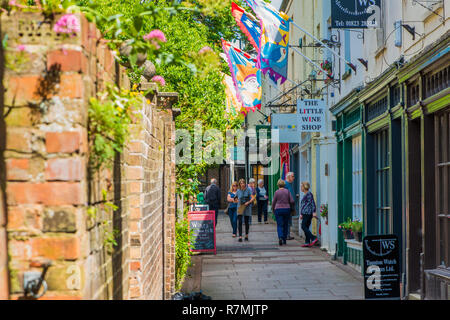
262	270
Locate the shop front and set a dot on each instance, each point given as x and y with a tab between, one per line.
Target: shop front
427	129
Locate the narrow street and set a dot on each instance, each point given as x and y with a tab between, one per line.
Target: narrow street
261	269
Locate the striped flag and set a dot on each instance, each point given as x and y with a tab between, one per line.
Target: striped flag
246	76
248	24
274	42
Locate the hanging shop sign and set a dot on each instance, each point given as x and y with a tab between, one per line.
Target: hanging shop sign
285	128
353	14
311	113
381	267
203	229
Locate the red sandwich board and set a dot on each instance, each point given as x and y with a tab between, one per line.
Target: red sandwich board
202	224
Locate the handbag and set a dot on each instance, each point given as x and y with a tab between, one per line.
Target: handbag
226	210
241	209
293	211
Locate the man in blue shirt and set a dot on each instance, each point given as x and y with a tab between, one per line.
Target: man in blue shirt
290	186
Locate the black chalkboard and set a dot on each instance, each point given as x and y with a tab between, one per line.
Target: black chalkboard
202	234
381	267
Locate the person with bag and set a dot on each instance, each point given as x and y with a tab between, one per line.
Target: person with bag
232	206
290	177
263	199
212	197
245	197
282	205
307	212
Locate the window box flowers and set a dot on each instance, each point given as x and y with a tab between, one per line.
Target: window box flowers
357	227
346	229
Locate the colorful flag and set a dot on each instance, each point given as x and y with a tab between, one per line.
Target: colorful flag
246	76
248	24
274	44
233	107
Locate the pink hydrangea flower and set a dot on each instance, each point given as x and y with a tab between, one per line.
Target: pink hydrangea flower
157	35
68	23
205	49
160	80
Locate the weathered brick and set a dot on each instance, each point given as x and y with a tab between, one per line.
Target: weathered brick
64	277
20	117
18	140
21	90
135	292
135	252
51	193
59	220
135	213
134	187
20	250
57	248
134	173
135	265
17	169
67	169
24	217
70	60
66	142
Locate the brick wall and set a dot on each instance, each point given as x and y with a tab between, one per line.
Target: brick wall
4	281
49	187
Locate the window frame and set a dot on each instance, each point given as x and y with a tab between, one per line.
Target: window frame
357	178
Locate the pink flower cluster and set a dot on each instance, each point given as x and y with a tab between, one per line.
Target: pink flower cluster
68	24
205	49
157	35
160	80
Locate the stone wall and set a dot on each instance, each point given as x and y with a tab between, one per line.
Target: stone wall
50	188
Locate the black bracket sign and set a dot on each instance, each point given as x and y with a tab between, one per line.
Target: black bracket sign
381	267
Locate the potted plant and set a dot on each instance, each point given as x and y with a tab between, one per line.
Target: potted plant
324	212
357	227
346	229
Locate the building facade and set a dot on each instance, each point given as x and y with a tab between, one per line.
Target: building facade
392	135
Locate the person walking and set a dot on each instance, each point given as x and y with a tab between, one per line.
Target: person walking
251	185
212	197
307	212
282	204
290	177
232	206
245	196
263	199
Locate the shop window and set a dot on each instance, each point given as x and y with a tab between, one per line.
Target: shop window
258	173
436	82
357	178
377	108
383	209
442	138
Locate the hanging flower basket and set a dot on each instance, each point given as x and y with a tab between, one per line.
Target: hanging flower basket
324	212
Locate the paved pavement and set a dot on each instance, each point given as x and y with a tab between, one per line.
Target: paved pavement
261	269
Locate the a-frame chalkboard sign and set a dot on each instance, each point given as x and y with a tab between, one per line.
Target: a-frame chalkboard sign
202	225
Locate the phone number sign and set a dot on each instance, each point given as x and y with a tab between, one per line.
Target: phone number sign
355	13
381	267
